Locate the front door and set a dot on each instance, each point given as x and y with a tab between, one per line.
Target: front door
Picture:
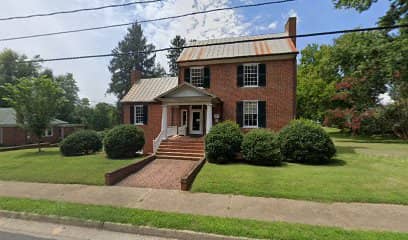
196	126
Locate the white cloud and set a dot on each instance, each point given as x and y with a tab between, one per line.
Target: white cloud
273	25
92	75
291	13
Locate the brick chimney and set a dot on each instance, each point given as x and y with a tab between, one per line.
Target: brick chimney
135	76
290	28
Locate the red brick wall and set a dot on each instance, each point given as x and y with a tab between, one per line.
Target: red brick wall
15	136
279	93
152	128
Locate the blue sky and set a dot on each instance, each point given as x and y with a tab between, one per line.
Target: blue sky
93	76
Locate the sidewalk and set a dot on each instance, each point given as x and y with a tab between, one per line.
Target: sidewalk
347	215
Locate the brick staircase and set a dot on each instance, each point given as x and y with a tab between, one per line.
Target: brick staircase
181	148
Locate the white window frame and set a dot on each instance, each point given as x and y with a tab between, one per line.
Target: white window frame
201	68
257	114
245	74
135	115
46	132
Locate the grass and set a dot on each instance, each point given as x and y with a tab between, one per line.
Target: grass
365	170
50	166
216	225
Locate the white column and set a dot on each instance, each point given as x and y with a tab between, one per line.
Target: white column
208	121
164	121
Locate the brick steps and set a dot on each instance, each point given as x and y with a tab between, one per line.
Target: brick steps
177	157
181	148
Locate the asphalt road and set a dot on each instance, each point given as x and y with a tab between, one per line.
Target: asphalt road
16	229
14	236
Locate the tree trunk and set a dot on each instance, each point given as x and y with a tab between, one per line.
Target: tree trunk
39	144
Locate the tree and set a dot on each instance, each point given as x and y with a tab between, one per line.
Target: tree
36	101
316	77
104	116
173	54
84	112
12	68
66	110
127	57
396	14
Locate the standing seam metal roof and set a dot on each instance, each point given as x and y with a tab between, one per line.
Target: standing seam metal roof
147	89
255	48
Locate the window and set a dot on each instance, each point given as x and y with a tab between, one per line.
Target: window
48	132
251	75
197	76
250	114
139	115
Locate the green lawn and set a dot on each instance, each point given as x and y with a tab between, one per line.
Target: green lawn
216	225
365	170
51	167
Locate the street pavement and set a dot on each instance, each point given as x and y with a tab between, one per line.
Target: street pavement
16	229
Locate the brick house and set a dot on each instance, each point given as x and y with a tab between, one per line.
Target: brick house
13	135
251	83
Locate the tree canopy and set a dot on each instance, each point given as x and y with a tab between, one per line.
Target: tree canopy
36	101
123	62
177	42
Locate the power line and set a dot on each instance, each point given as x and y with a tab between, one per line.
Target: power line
143	21
79	10
222	43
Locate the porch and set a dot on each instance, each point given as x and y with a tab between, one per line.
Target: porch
187	111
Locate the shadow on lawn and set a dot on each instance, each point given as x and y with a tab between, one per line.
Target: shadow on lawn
35	153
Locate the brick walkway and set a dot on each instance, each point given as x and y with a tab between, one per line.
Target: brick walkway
161	173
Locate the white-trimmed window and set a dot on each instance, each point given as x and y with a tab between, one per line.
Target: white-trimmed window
251	75
197	76
250	113
48	132
139	115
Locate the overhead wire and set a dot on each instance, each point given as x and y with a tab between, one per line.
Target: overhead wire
143	21
222	43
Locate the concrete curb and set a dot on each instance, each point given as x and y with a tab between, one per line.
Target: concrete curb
117	227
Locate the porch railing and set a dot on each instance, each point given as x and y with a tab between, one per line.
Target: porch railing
157	141
171	131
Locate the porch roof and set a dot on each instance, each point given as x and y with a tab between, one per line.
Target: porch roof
187	94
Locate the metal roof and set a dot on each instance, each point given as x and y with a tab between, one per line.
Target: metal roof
147	89
8	118
245	49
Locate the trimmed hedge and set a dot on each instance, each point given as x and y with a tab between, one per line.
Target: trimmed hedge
81	143
306	142
124	141
261	146
223	142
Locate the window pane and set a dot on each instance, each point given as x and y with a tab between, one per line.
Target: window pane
250	114
139	116
197	77
251	75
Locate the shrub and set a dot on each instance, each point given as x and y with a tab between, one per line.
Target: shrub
222	142
102	134
261	146
124	141
306	142
396	115
81	143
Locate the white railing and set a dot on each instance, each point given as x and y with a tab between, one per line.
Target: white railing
157	141
182	131
171	131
